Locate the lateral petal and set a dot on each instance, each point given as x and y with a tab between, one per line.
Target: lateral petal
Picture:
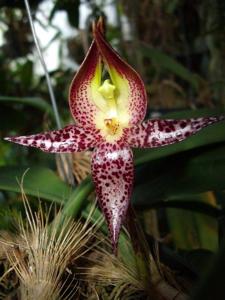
156	133
113	173
130	90
69	139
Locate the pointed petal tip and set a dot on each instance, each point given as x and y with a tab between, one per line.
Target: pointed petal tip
114	237
16	139
214	119
211	120
11	139
115	248
99	26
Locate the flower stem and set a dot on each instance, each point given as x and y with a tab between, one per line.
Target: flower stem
140	246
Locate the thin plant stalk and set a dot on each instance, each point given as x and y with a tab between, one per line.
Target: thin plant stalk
40	55
65	164
140	246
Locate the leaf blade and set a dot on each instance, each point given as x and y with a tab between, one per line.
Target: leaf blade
38	181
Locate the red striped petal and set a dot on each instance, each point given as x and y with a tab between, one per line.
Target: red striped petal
112	171
66	140
81	103
131	94
156	133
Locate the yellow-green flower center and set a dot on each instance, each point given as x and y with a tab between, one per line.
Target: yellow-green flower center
111	99
107	91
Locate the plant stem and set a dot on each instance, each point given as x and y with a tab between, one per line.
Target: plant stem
66	169
40	55
140	246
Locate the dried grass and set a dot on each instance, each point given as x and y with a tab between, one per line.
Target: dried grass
107	270
41	252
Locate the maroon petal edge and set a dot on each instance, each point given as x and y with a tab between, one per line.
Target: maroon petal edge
81	105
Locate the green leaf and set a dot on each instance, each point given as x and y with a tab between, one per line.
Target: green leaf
212	285
197	259
169	63
204	171
32	101
77	198
190	205
24	72
171	178
37	181
175	260
195	113
192	230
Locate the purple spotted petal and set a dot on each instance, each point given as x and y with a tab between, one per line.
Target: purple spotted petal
156	133
81	102
136	101
113	173
66	140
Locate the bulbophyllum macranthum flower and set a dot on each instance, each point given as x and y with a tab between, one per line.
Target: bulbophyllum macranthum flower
109	118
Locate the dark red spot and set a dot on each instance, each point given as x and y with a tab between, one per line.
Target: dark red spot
183	125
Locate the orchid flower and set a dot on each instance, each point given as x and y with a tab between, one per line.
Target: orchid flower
109	117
